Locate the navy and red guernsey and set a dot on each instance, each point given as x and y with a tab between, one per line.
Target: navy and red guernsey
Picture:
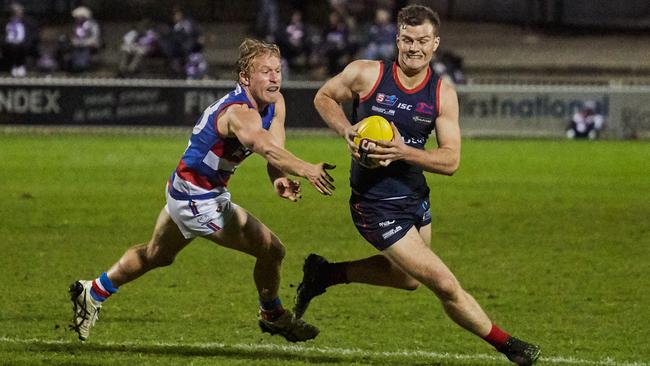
414	112
210	159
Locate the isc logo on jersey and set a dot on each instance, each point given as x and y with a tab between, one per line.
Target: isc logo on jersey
371	129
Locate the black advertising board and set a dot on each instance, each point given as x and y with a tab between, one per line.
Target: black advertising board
136	103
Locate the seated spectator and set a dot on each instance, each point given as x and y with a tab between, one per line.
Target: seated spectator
449	66
140	42
586	123
47	61
381	37
294	43
196	66
19	40
75	53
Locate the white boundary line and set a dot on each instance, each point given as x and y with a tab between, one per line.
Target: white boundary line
298	349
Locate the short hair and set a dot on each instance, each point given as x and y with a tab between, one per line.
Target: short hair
249	49
417	15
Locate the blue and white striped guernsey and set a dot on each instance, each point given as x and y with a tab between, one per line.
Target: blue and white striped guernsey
210	159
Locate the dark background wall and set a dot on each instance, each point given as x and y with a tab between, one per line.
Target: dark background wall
620	14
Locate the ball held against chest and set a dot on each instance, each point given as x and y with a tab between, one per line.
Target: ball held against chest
371	129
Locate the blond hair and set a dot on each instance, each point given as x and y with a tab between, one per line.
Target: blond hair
250	49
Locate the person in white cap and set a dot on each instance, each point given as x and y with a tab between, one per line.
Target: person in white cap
86	39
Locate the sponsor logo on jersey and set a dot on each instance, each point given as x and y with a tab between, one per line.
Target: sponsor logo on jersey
386	223
391	232
414	140
385	99
404	106
388	112
422	119
424	108
427	215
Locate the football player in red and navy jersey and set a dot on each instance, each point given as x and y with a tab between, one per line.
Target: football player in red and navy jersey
390	204
250	119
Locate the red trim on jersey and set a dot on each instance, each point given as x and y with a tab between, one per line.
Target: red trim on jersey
189	175
438	96
219	147
374	87
417	88
213	226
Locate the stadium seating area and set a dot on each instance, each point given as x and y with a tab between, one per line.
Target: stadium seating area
492	53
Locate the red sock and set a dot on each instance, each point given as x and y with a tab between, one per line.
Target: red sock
336	274
497	337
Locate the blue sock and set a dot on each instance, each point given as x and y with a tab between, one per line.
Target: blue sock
102	288
270	305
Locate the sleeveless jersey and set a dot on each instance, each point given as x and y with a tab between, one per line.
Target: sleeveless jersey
414	112
210	159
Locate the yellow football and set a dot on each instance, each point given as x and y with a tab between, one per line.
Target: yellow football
371	129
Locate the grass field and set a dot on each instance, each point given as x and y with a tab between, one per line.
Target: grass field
551	237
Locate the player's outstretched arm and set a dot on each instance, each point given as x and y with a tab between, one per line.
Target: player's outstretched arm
284	186
245	123
444	159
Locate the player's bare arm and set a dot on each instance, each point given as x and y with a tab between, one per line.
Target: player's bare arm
442	160
245	123
356	79
284	186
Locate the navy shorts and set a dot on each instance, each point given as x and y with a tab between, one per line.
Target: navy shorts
382	223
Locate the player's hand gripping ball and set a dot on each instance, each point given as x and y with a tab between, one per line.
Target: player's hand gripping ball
371	129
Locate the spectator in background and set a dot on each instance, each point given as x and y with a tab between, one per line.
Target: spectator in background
350	12
140	42
267	21
85	41
449	66
335	49
196	66
381	37
184	36
19	40
294	43
586	123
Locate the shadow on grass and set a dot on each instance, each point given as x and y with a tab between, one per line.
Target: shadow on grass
219	350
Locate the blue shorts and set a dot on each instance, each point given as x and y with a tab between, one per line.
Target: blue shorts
382	223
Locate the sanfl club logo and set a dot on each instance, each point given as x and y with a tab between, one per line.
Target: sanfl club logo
385	99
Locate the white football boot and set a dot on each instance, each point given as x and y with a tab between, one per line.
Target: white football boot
85	308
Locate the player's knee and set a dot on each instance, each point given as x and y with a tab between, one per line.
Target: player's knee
446	288
277	250
164	260
274	250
